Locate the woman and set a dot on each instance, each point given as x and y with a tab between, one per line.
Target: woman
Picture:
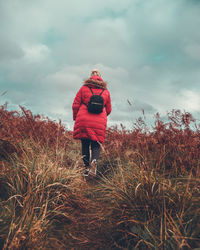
89	127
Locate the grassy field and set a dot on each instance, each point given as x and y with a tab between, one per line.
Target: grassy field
146	195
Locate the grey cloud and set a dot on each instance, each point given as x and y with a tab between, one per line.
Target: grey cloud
161	30
9	50
138	106
121	116
129	105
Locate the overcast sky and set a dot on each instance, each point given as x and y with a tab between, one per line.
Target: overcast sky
147	50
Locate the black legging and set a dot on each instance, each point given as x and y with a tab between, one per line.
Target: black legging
95	147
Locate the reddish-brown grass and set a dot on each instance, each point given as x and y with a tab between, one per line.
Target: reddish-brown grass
146	195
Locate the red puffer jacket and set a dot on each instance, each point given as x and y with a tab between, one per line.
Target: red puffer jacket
88	125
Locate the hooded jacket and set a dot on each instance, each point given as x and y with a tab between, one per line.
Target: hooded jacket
88	125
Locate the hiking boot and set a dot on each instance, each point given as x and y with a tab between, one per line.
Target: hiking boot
93	169
86	172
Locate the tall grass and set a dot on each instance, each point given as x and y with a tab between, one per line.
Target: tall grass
146	195
151	210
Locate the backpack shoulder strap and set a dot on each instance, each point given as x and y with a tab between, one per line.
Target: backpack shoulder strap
102	91
91	90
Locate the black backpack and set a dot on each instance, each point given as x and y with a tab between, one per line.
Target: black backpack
96	103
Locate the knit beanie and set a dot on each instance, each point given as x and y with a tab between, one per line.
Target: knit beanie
95	72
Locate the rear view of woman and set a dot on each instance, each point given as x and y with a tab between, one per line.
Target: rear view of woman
90	116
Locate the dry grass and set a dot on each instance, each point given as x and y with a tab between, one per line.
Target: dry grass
145	197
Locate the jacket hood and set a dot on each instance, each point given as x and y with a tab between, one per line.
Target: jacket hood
96	83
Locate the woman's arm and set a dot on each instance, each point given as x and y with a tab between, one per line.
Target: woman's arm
77	103
108	104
